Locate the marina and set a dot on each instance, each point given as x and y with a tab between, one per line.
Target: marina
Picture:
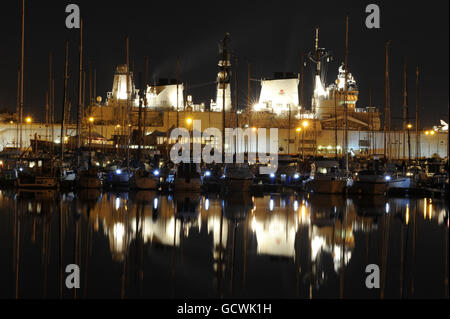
287	179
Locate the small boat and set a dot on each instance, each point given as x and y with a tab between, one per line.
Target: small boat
378	182
90	178
8	177
326	178
67	178
39	173
119	178
287	172
237	177
187	178
142	179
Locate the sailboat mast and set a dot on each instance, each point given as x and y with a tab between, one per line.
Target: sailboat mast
248	96
128	102
417	115
405	107
51	99
236	100
66	78
80	86
178	79
387	111
145	95
345	96
140	116
373	138
20	115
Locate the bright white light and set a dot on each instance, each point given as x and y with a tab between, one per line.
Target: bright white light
296	176
387	177
207	204
258	107
319	90
118	171
207	173
117	203
272	175
387	208
295	206
155	203
271	205
156	172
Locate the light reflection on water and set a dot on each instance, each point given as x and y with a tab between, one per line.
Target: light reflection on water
143	244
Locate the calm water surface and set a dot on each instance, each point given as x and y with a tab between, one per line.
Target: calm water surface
145	245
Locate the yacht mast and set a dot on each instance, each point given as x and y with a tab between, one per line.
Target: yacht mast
20	114
66	78
345	96
417	115
387	111
80	86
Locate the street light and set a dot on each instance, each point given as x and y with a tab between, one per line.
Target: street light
189	122
409	127
91	121
28	119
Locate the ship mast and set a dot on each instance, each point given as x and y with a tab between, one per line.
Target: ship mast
319	56
223	79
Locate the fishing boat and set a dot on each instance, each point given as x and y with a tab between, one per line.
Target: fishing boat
325	178
37	174
237	177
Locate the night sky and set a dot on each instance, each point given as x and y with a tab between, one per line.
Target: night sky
270	34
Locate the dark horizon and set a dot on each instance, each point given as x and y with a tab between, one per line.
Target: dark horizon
271	35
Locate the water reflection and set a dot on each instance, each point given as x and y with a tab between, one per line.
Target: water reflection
144	244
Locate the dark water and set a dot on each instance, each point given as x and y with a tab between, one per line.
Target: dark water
133	245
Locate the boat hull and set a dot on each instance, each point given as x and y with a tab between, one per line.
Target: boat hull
326	186
380	187
194	184
238	185
90	182
145	183
38	183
